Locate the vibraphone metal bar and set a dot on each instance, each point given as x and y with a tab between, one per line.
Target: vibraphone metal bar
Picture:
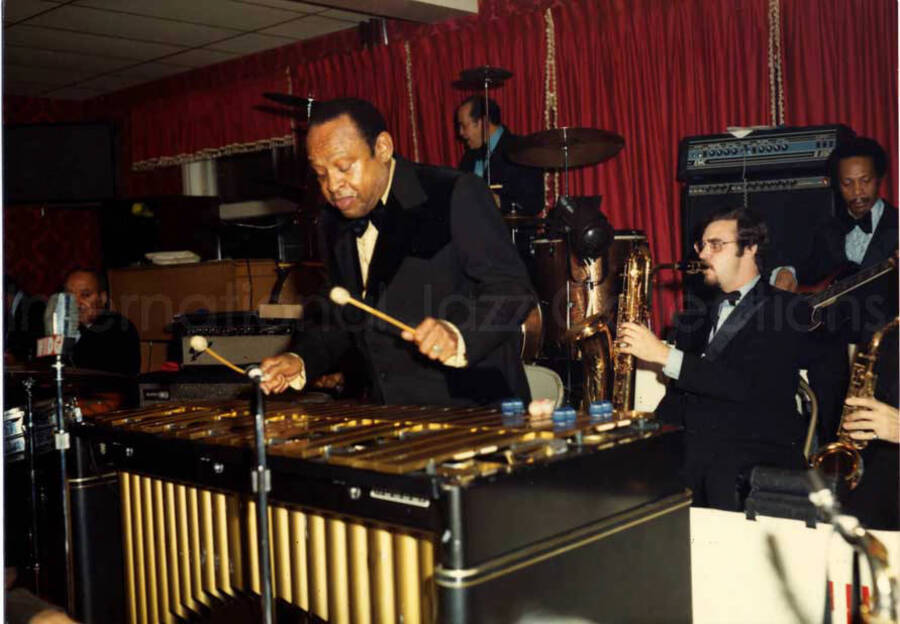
364	498
186	547
386	439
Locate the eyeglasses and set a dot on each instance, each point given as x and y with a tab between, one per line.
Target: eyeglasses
715	245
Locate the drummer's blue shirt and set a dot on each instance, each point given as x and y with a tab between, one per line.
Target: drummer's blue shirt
492	145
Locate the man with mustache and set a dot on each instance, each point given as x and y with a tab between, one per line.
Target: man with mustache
522	187
863	234
734	369
424	245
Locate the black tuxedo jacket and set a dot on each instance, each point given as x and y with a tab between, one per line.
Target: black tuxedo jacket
442	251
24	327
860	313
736	396
521	185
111	343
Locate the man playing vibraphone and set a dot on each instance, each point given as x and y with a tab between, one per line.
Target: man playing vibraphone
415	242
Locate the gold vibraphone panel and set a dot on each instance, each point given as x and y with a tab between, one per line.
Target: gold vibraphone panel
187	547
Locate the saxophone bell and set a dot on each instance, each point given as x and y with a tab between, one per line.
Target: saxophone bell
842	458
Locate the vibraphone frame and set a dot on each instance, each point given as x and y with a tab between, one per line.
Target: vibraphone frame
385	513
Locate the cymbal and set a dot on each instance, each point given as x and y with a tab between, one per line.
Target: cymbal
289	100
70	374
521	219
478	76
586	146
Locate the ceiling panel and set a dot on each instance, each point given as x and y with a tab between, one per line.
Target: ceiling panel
73	93
63	40
347	16
16	10
23	87
287	5
112	82
222	13
80	48
200	57
150	71
16	55
83	19
45	75
308	27
250	43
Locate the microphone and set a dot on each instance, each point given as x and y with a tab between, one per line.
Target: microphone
685	266
60	325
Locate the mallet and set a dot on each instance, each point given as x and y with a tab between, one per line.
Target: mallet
341	296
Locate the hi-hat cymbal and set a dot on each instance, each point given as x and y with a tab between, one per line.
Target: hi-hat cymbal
585	146
289	100
478	76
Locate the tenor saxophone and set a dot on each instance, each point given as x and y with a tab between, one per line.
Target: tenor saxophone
633	308
842	458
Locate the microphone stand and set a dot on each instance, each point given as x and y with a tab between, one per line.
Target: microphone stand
262	483
61	443
33	498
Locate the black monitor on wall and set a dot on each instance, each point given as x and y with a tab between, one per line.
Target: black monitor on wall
70	162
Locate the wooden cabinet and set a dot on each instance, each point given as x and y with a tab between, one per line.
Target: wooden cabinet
150	296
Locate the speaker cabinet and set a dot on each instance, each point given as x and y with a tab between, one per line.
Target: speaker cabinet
791	207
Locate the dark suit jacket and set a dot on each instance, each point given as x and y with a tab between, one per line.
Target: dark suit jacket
521	185
736	396
110	344
442	251
23	327
860	313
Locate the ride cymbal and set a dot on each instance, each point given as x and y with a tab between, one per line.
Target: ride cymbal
560	147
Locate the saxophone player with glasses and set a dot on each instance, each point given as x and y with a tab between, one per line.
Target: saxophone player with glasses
734	370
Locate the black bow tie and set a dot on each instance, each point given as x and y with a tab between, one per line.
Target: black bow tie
731	297
376	217
864	222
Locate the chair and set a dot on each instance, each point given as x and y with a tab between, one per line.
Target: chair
544	383
808	407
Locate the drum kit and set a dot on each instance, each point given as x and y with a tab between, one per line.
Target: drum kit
574	256
31	434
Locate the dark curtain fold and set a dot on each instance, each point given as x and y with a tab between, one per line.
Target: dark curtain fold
840	66
655	72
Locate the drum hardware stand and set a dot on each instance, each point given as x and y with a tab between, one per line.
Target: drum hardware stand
61	443
261	481
32	479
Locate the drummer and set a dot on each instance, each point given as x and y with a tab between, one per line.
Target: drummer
516	188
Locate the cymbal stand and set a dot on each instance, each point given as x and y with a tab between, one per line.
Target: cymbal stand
485	117
61	443
35	562
262	482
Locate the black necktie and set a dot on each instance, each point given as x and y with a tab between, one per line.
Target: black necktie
376	217
864	222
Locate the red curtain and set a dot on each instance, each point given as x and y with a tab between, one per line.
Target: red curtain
655	72
376	74
840	66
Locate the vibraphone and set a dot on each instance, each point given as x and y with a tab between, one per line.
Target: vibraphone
400	513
